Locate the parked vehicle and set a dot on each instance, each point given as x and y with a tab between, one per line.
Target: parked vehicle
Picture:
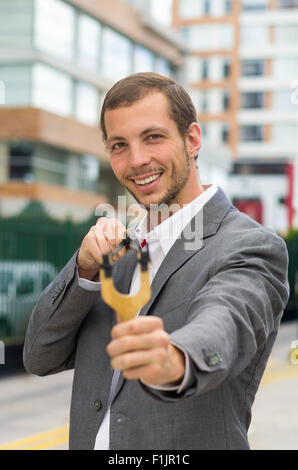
21	283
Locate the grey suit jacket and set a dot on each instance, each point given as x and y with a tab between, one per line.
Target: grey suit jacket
221	302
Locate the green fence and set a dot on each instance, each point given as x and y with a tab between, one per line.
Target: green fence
33	248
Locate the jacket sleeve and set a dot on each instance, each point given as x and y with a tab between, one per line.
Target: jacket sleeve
50	341
231	318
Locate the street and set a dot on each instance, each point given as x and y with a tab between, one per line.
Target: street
35	410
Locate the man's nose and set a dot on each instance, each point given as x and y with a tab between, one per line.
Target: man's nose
138	155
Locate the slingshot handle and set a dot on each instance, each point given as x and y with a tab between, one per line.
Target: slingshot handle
125	305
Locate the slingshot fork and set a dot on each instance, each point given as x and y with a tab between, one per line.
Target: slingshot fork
125	305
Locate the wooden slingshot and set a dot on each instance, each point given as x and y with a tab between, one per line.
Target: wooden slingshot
125	305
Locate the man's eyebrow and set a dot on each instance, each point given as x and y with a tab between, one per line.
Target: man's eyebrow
142	134
164	130
113	138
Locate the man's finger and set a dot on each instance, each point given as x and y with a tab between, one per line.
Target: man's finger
156	339
136	326
141	358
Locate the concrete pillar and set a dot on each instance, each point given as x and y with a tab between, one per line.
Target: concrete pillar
4	162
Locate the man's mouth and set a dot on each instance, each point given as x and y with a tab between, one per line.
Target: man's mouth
148	180
145	183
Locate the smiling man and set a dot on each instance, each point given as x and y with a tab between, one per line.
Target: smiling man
149	155
183	374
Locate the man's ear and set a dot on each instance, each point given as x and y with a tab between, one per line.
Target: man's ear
193	139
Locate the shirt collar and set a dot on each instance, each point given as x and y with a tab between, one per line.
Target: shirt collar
167	232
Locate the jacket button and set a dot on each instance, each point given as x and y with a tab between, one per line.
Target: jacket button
97	405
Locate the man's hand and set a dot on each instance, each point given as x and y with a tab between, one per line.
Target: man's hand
101	239
142	350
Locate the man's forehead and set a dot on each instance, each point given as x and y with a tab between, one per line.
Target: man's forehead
152	111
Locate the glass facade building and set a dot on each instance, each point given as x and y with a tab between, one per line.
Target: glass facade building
60	57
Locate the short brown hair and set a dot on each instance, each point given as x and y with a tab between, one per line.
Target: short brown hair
135	87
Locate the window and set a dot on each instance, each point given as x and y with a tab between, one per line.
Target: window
197	69
54	27
17	83
206	7
49	164
225	100
88	42
253	68
254	35
286	34
251	133
143	59
210	36
285	134
205	69
254	5
227	6
51	90
116	54
201	101
20	160
87	104
252	100
189	9
285	68
225	132
89	173
282	101
15	23
226	68
287	4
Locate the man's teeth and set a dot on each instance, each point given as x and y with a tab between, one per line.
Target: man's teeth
148	180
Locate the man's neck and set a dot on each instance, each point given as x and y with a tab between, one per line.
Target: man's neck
160	213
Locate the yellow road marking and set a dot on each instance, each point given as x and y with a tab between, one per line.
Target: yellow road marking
50	444
269	377
41	440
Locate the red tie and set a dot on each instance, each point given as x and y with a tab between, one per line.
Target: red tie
143	243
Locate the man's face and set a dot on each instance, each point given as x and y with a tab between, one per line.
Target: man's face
148	154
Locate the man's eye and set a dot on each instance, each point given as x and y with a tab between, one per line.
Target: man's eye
117	146
154	136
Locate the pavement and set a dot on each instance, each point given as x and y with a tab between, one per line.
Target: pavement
35	410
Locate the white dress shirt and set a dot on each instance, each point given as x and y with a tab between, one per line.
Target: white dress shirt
159	240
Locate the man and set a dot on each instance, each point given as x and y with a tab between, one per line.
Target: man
184	371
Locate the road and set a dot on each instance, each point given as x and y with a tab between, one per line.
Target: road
35	410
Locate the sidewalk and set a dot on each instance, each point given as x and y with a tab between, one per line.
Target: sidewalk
274	423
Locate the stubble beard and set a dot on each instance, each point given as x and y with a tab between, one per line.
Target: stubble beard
178	183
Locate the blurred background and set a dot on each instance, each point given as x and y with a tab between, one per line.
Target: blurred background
238	60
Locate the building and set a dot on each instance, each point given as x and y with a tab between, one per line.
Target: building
243	69
57	60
